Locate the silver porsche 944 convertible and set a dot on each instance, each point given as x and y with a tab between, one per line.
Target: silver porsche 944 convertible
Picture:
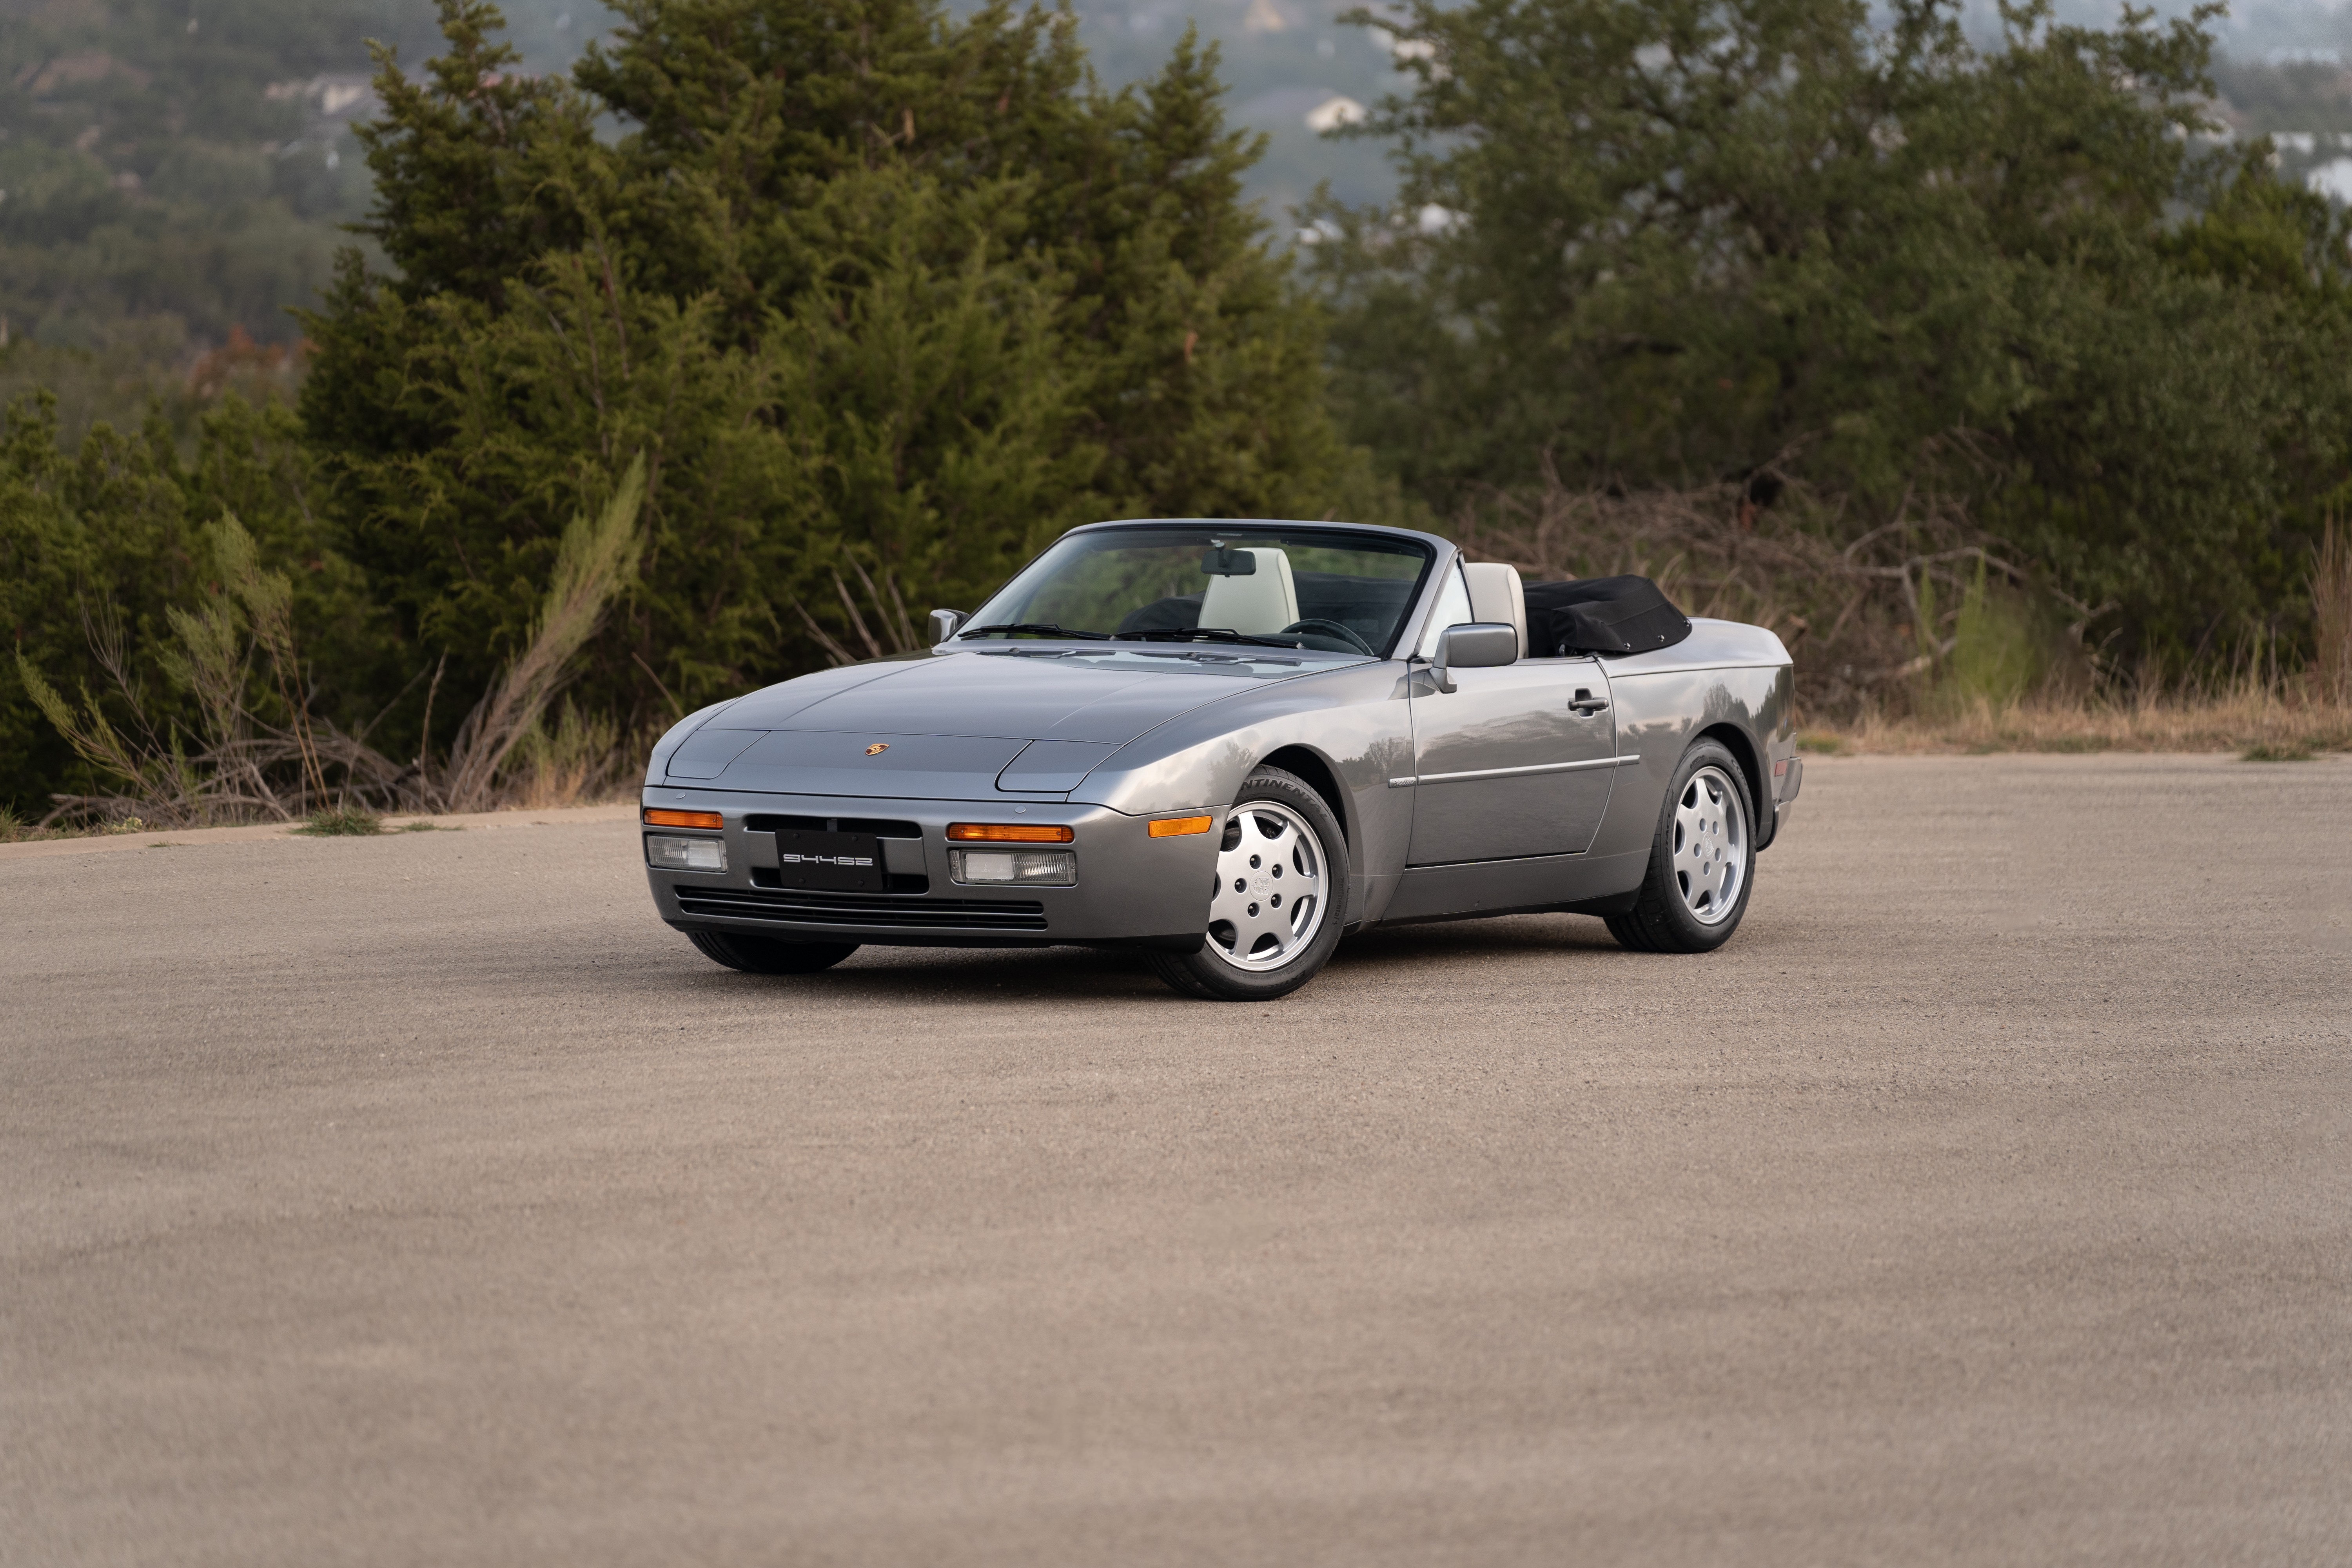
1228	743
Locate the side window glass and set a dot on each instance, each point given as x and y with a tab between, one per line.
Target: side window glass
1452	610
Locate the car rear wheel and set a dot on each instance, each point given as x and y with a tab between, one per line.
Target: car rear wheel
1701	863
1279	898
765	956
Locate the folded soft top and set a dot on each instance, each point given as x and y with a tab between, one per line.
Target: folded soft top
1602	615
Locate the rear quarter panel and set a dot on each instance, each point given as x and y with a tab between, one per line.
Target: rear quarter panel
1728	679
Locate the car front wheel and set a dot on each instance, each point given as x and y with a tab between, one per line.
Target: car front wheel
1279	898
1701	863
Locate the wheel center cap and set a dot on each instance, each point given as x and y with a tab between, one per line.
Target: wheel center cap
1261	884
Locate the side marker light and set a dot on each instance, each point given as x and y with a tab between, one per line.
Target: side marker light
657	817
1007	832
1178	826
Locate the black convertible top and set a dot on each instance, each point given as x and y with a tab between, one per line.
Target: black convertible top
1602	615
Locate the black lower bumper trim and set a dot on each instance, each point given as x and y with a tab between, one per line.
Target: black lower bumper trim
793	907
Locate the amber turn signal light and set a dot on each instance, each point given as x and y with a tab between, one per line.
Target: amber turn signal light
657	817
1007	832
1178	826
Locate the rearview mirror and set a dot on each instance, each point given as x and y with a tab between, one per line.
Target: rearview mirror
1224	562
1473	645
944	624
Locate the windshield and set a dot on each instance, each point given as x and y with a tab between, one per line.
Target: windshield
1255	583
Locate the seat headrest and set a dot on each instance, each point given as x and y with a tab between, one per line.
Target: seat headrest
1256	605
1495	596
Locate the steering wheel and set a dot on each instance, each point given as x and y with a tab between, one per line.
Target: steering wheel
1330	629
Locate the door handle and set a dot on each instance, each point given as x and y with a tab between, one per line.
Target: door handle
1586	703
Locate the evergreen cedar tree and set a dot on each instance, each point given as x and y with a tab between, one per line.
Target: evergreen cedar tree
99	550
1701	240
868	284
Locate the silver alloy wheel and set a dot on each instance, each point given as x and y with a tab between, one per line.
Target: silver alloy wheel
1269	898
1710	846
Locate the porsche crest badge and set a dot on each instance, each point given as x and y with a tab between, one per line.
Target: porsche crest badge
878	748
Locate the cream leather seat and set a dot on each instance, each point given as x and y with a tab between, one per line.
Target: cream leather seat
1258	604
1495	596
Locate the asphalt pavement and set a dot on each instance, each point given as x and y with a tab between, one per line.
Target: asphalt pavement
424	1200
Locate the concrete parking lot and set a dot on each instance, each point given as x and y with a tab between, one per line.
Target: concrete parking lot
422	1199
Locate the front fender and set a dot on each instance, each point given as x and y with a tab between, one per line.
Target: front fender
1355	721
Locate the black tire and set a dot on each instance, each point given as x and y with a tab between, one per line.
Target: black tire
766	956
1209	973
1662	919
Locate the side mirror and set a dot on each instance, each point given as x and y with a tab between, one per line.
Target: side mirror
944	624
1474	645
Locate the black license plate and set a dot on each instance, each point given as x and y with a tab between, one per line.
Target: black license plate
833	862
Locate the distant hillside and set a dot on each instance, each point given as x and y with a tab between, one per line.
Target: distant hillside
2288	69
1286	63
192	159
173	171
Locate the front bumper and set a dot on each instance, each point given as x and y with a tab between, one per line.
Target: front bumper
1132	890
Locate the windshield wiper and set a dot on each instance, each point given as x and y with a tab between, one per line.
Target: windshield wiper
1211	634
1035	628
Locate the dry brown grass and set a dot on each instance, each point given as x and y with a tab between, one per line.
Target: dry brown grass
578	760
15	830
596	558
2331	614
2275	725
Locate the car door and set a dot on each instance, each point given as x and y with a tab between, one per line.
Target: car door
1515	761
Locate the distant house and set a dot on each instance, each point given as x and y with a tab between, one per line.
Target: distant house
333	99
1333	113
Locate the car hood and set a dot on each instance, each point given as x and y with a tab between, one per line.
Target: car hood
956	726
